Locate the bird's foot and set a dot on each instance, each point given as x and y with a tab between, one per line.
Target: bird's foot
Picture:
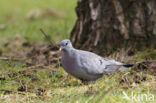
87	82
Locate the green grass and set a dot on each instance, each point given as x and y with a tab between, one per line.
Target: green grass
13	17
20	84
63	88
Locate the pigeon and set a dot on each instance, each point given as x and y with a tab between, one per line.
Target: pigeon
85	65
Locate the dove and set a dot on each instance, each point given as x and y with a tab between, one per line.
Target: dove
85	65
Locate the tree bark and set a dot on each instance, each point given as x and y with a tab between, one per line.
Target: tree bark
104	26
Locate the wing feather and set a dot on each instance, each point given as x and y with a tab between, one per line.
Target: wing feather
94	64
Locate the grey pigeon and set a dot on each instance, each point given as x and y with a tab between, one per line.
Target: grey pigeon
85	65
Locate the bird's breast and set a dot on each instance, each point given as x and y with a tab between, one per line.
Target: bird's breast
68	62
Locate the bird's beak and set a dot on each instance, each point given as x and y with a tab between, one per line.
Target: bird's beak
61	48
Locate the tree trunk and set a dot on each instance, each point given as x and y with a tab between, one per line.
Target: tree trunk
106	25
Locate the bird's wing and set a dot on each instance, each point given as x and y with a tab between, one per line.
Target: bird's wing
94	64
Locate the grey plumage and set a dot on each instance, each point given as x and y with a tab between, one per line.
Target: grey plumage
86	65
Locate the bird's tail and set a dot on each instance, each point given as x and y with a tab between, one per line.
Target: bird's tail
125	67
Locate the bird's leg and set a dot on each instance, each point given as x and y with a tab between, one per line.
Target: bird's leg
86	82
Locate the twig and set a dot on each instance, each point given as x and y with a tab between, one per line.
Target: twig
10	58
46	36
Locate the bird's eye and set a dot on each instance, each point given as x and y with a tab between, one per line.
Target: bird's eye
66	43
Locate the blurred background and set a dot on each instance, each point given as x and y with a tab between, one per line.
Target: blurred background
25	18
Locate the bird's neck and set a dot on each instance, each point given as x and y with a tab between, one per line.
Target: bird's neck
69	51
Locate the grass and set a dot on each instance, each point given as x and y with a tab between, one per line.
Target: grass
14	19
56	86
20	84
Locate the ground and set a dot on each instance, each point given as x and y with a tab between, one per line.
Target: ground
30	68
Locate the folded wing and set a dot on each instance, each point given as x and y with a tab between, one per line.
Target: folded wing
94	64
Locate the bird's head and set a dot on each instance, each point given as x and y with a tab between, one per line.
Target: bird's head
65	45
